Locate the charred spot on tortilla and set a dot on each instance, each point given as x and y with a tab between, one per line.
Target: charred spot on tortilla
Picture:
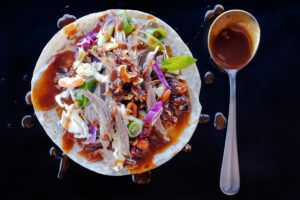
117	91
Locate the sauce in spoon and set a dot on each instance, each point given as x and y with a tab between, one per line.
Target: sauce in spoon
231	48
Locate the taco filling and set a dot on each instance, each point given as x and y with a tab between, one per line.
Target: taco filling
117	90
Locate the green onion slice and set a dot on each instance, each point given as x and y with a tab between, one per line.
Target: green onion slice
134	129
89	85
126	25
158	33
151	41
178	62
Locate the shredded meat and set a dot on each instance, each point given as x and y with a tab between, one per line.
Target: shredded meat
121	129
100	110
151	101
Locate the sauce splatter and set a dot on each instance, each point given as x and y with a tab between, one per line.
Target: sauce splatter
208	78
64	162
53	152
187	148
65	20
70	30
28	98
220	121
63	166
68	141
209	14
91	152
143	178
204	118
43	93
218	9
27	121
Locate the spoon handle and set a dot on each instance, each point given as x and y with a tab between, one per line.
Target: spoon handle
230	175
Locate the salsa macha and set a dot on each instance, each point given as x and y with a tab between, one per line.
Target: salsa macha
117	90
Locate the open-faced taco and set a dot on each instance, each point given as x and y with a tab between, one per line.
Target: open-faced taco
117	91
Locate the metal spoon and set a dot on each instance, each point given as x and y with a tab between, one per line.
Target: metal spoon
230	176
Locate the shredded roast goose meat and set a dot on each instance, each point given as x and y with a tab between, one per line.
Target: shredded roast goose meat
121	129
150	101
102	113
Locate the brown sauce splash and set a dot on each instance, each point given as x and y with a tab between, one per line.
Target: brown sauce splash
187	148
27	121
91	152
143	178
204	118
218	9
28	98
65	20
43	93
220	121
209	77
68	141
64	162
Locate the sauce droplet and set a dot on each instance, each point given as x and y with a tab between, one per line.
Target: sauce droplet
220	122
187	148
65	20
27	121
218	9
143	178
63	166
28	98
53	151
204	118
64	161
209	78
208	15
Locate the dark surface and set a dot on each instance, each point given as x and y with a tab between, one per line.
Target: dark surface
268	107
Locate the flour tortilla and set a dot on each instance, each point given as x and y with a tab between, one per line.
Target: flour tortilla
49	119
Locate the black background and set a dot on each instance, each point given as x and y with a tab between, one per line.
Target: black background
268	106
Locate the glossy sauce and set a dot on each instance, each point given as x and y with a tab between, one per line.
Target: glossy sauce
158	145
70	30
169	51
143	178
65	20
63	166
43	93
209	78
28	98
204	118
150	17
220	121
68	141
232	47
91	152
27	121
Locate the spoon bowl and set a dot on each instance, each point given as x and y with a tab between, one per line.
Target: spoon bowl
240	18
